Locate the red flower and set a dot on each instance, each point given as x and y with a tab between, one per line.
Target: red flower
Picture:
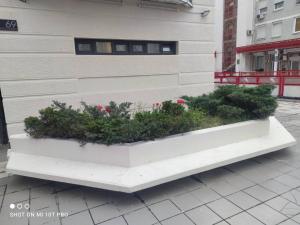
180	101
108	109
99	107
157	104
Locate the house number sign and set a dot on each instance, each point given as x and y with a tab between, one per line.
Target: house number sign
8	25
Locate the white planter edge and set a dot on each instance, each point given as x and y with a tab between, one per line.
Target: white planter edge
145	164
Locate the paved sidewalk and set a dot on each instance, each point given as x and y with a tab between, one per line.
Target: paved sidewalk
263	190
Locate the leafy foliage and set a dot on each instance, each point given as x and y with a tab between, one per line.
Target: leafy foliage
115	123
234	103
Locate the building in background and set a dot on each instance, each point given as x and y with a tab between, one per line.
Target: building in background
269	35
267	45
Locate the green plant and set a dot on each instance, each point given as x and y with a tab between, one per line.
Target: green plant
113	110
237	103
114	123
171	108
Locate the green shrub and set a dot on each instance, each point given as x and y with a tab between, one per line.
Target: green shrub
246	102
230	114
113	124
171	108
59	121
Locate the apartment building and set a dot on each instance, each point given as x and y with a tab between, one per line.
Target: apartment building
101	50
268	35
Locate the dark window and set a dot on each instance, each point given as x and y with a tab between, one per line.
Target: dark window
124	47
121	48
103	47
168	48
138	48
153	48
84	47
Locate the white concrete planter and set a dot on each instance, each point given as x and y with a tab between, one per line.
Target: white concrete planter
132	167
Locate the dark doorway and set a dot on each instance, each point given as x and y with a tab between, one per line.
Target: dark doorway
3	128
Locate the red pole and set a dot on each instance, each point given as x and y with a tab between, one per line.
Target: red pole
281	84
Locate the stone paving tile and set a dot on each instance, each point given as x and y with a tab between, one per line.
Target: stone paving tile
260	193
135	218
195	198
14	216
222	187
41	191
178	220
104	212
16	197
267	215
289	222
116	221
43	202
243	219
203	216
58	186
221	177
284	206
45	220
168	190
293	196
243	200
46	204
205	194
78	219
254	171
164	210
186	201
224	208
71	201
296	218
275	164
19	183
275	186
289	181
295	173
95	197
125	203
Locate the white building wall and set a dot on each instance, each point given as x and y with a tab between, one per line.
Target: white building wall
245	21
219	22
38	63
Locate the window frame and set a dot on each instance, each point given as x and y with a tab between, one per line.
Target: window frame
265	29
281	8
95	49
115	52
274	23
85	41
264	13
144	44
294	25
130	43
172	48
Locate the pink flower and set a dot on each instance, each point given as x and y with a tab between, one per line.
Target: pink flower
180	101
108	109
99	107
157	104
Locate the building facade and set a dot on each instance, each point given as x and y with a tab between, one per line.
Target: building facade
229	34
269	35
97	51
